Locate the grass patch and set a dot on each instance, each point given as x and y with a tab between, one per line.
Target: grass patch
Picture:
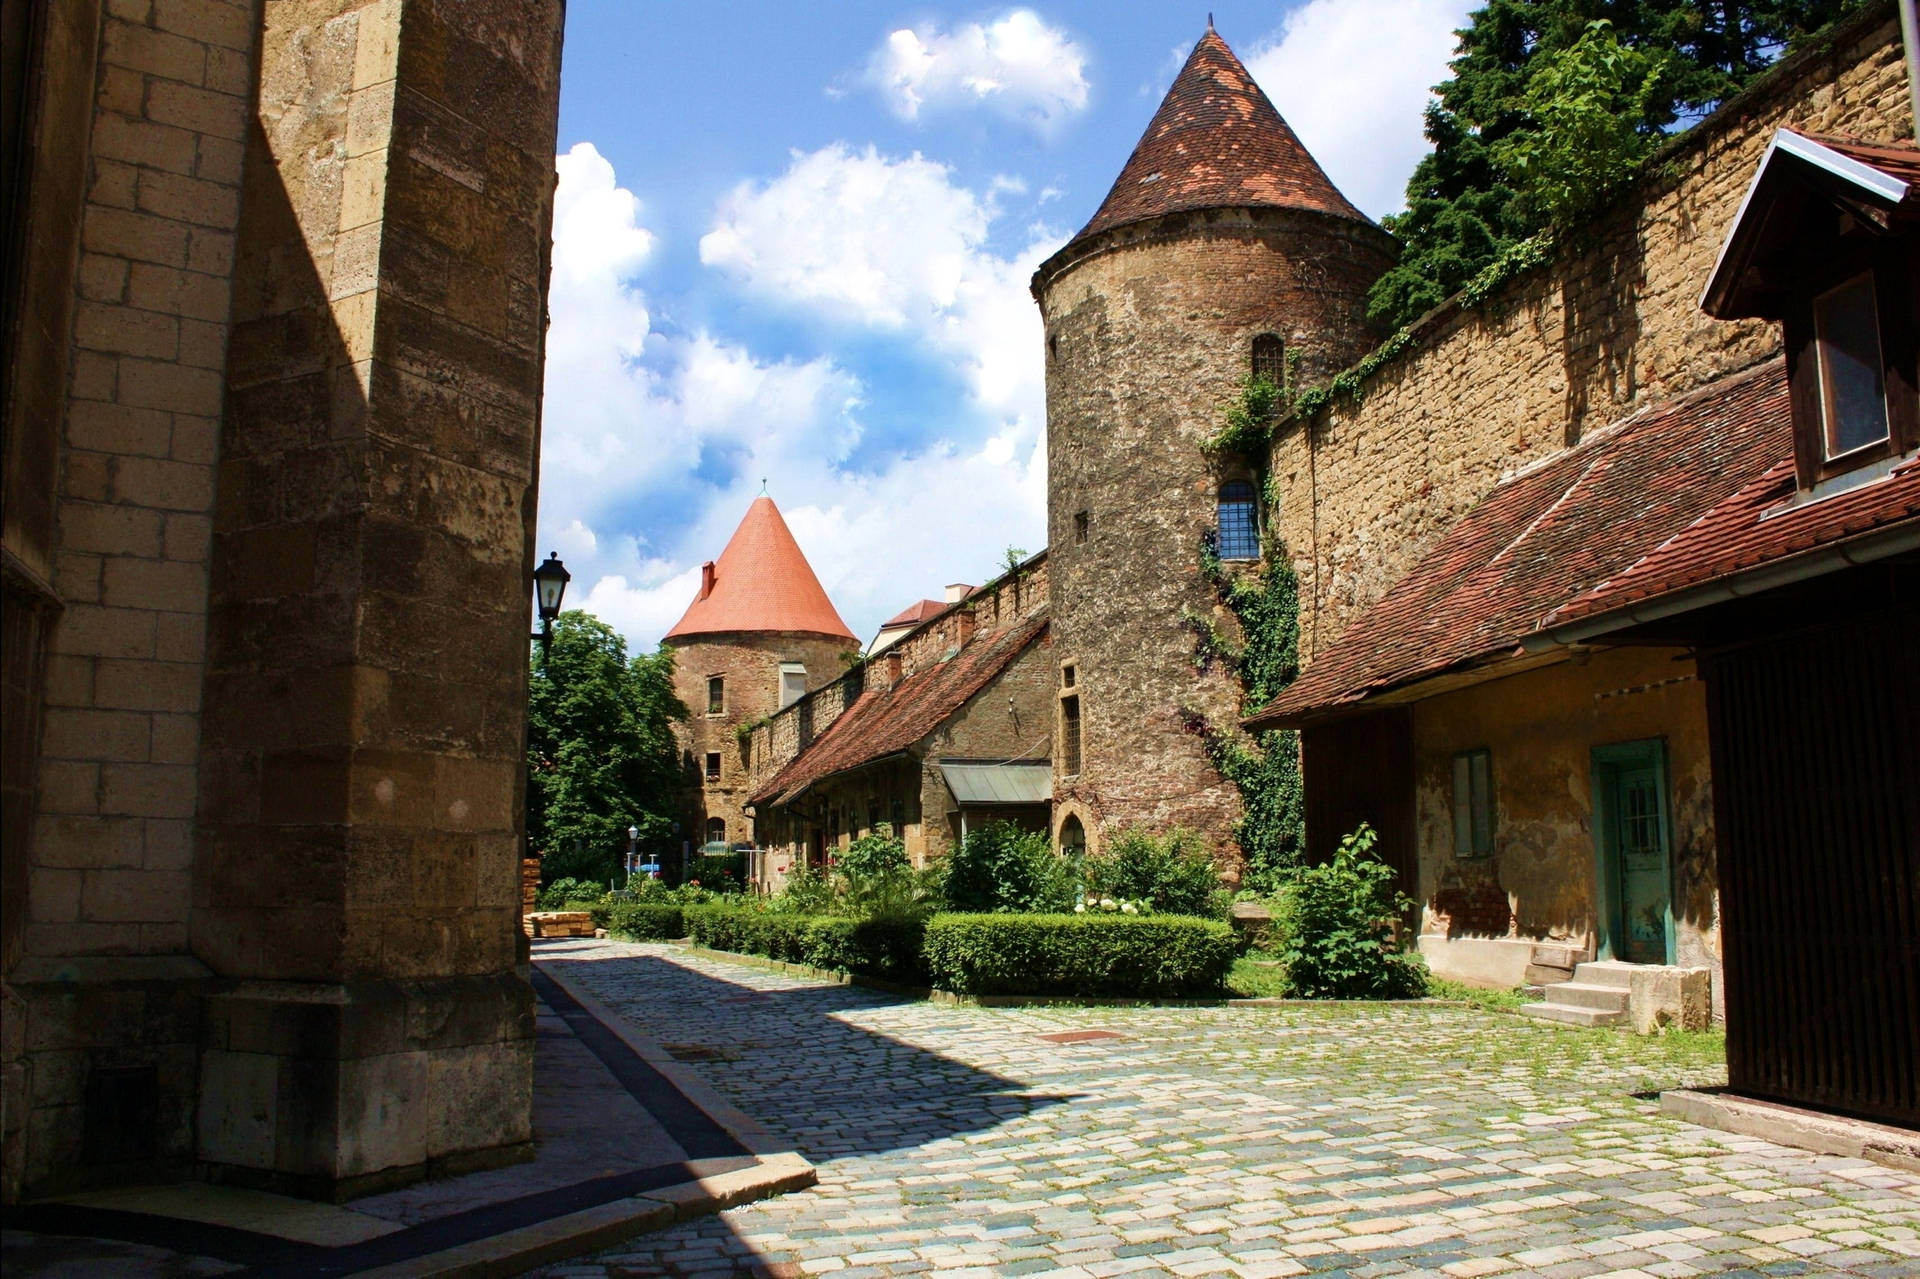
1493	1001
1251	979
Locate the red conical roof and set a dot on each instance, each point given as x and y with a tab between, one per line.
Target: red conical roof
761	582
1216	143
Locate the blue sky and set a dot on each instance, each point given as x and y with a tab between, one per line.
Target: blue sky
792	242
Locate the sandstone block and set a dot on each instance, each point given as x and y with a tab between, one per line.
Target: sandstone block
158	53
139	236
115	184
94	735
146	685
180	637
219	159
69	680
211	251
134	896
81	843
201	110
229	26
69	786
169	844
147	790
102	278
118	428
1663	997
54	895
152	384
186	199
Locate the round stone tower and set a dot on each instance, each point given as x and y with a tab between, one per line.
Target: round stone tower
1221	244
761	632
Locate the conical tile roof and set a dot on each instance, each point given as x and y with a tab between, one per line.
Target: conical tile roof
761	582
1216	142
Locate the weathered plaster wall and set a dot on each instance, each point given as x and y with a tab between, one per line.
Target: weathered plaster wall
1541	727
1149	334
1011	718
1612	324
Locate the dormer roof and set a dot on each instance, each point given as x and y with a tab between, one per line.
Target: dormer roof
1216	142
761	583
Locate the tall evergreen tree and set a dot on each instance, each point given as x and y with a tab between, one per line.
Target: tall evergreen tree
601	754
1466	201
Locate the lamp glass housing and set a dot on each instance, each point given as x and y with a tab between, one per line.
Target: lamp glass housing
550	586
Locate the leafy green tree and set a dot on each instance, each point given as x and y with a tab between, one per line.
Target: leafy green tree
1467	202
601	754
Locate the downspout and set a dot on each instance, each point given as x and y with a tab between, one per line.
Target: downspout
1910	38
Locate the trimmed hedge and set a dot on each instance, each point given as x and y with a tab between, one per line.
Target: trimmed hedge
638	921
1152	956
885	946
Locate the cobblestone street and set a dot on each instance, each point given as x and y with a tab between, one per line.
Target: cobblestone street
1422	1140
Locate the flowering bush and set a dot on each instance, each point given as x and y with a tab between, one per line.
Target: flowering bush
1091	905
1174	873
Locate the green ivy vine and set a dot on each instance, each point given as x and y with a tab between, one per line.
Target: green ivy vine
1265	659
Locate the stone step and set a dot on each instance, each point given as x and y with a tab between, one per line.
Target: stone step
1579	994
1606	972
1546	974
1555	955
1571	1016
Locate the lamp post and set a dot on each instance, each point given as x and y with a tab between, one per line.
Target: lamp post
633	845
549	587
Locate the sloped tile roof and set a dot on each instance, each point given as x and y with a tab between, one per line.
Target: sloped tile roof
762	582
1754	528
1216	142
915	614
1899	159
883	722
1550	534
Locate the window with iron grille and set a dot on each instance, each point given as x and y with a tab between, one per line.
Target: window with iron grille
1270	358
1239	525
716	694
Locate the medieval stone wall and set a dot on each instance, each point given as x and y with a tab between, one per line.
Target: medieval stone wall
1149	336
1010	719
750	665
1611	324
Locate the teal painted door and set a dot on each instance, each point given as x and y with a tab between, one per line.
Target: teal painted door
1635	862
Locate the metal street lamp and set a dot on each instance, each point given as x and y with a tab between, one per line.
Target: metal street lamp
549	587
633	843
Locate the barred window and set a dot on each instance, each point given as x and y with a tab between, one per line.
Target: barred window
1070	735
1239	527
716	694
1270	358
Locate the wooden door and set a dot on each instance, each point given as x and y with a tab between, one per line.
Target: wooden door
1633	858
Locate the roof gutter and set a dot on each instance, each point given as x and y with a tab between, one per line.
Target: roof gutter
1754	581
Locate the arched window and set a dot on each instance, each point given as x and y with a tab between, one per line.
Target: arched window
1073	837
1270	358
716	830
1239	526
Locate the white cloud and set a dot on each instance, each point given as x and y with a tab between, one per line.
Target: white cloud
1353	78
638	421
895	245
1017	65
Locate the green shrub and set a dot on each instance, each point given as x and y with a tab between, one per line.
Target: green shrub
718	873
879	852
883	946
561	892
1173	873
807	892
637	921
1158	956
1001	868
1343	942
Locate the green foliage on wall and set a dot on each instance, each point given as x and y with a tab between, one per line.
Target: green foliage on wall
600	749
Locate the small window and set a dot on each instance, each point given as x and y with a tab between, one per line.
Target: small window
1853	399
793	683
1270	358
1473	804
1067	676
1080	527
1239	530
716	694
899	818
713	766
1070	734
716	830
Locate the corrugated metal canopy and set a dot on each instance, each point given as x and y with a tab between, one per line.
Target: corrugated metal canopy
1026	782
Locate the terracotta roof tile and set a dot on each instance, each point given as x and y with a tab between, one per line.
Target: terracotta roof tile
883	722
915	614
1754	528
1900	159
1216	142
1550	534
762	582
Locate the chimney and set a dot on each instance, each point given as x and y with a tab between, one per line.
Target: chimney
964	623
893	667
957	591
706	579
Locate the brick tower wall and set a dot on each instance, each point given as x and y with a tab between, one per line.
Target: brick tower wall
1149	334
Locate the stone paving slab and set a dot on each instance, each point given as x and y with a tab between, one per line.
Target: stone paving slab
1343	1139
